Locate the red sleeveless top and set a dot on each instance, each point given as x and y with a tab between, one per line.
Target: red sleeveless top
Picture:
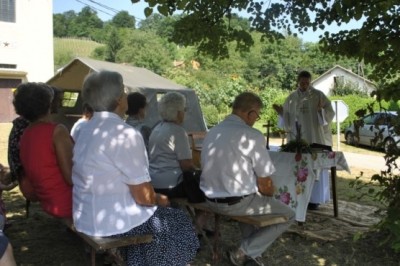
40	165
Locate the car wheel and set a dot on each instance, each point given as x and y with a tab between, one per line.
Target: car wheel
388	145
350	138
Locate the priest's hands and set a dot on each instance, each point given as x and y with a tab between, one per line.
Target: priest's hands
278	108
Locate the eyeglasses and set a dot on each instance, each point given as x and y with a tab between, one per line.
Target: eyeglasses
258	116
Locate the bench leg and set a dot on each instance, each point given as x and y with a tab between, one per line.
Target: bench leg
216	251
199	228
93	256
27	205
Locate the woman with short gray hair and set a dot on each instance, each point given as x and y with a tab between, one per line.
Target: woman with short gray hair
169	148
169	152
171	105
102	90
112	193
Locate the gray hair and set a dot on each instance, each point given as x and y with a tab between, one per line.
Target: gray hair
245	101
101	90
170	104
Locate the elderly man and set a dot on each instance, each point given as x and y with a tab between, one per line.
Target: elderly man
312	110
236	170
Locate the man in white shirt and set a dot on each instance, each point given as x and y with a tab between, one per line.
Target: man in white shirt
236	170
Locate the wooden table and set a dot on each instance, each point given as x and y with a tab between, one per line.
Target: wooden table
293	179
295	176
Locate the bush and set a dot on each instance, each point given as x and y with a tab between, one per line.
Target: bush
211	115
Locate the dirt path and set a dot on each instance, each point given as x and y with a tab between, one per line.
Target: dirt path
354	160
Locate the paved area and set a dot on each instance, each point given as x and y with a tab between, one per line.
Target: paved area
364	161
354	160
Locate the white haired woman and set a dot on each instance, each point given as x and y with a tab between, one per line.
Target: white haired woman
112	194
169	151
169	148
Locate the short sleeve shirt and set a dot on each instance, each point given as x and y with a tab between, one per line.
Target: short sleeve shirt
233	156
168	144
108	156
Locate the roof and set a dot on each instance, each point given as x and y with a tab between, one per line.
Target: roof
345	70
71	76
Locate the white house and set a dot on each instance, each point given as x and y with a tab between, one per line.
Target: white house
328	81
26	47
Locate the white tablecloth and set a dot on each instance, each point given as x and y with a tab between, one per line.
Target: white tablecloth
295	176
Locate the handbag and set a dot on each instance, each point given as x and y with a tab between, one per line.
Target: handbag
191	185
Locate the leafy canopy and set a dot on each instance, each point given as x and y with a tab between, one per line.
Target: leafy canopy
376	42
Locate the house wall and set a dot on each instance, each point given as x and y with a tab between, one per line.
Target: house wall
28	43
327	83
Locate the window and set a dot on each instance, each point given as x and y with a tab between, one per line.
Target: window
70	99
7	10
9	66
9	83
369	120
339	81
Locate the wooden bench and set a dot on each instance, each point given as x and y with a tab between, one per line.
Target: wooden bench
108	244
256	220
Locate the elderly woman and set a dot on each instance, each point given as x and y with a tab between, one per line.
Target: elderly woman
170	154
45	151
112	194
169	148
137	104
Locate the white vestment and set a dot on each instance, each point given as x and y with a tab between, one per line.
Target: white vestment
302	108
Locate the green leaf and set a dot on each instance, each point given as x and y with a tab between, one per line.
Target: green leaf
148	11
163	10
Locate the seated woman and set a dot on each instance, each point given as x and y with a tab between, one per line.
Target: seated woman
169	149
137	104
112	194
19	125
45	151
169	152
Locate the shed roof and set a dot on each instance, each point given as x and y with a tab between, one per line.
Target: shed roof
72	75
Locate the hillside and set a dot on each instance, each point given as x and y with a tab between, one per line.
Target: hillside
66	49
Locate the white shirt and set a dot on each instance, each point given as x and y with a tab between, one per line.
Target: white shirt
108	156
168	144
75	130
233	156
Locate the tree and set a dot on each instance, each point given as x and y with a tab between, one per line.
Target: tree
145	49
86	22
59	26
162	26
62	24
113	45
377	42
123	20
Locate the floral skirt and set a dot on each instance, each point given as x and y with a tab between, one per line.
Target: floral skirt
174	240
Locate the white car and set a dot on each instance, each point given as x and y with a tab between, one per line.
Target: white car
376	130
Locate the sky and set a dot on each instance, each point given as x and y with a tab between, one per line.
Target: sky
106	9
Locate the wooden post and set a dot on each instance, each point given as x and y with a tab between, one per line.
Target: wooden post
335	200
267	126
